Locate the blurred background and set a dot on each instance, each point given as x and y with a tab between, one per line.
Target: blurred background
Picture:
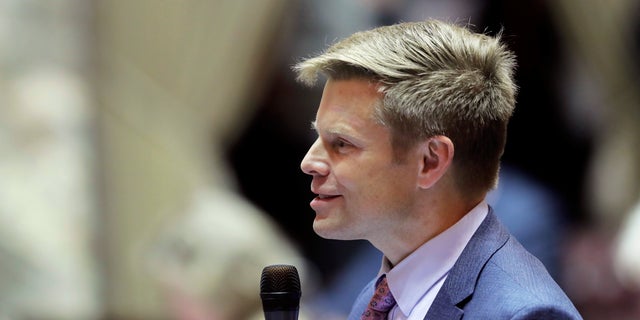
150	150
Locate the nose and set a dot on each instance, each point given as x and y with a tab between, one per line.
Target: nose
314	162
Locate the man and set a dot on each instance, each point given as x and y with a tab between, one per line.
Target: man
411	127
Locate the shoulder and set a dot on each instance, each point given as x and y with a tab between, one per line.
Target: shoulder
504	280
515	283
518	275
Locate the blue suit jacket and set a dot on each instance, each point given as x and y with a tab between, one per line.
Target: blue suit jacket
494	278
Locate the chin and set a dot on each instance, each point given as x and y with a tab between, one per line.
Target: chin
330	231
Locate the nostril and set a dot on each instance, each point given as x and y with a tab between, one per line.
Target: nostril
309	168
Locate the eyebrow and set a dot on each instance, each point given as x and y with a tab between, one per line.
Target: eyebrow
333	131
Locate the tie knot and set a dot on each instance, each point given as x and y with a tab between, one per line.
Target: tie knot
381	302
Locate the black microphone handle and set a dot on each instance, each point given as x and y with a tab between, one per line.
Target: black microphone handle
281	305
281	315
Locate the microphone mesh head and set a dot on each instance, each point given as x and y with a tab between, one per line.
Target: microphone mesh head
280	278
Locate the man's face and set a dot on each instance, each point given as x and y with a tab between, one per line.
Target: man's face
361	190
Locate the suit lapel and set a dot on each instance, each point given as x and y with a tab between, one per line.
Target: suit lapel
461	281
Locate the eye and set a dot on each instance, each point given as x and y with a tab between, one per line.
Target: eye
341	144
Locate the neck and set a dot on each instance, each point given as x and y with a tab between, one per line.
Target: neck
429	220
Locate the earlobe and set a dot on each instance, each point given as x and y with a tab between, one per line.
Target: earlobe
437	155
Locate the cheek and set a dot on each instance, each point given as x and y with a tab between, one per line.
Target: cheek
359	181
389	189
396	194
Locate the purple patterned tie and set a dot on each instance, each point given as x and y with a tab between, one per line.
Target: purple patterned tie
381	302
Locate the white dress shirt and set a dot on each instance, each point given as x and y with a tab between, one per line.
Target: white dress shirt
416	280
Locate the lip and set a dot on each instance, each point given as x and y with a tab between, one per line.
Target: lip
321	201
326	196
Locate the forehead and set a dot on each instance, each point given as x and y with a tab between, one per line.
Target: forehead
347	110
351	99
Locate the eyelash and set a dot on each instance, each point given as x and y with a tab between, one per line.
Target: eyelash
340	144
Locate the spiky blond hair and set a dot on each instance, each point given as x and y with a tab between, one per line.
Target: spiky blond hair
438	78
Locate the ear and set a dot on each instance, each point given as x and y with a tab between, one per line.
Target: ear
437	155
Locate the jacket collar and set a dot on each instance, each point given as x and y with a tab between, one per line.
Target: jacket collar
461	281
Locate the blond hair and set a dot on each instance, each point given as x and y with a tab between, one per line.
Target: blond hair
437	78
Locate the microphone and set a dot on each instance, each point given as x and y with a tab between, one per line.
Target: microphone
280	292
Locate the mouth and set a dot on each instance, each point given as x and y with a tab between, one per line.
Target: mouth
322	201
326	196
